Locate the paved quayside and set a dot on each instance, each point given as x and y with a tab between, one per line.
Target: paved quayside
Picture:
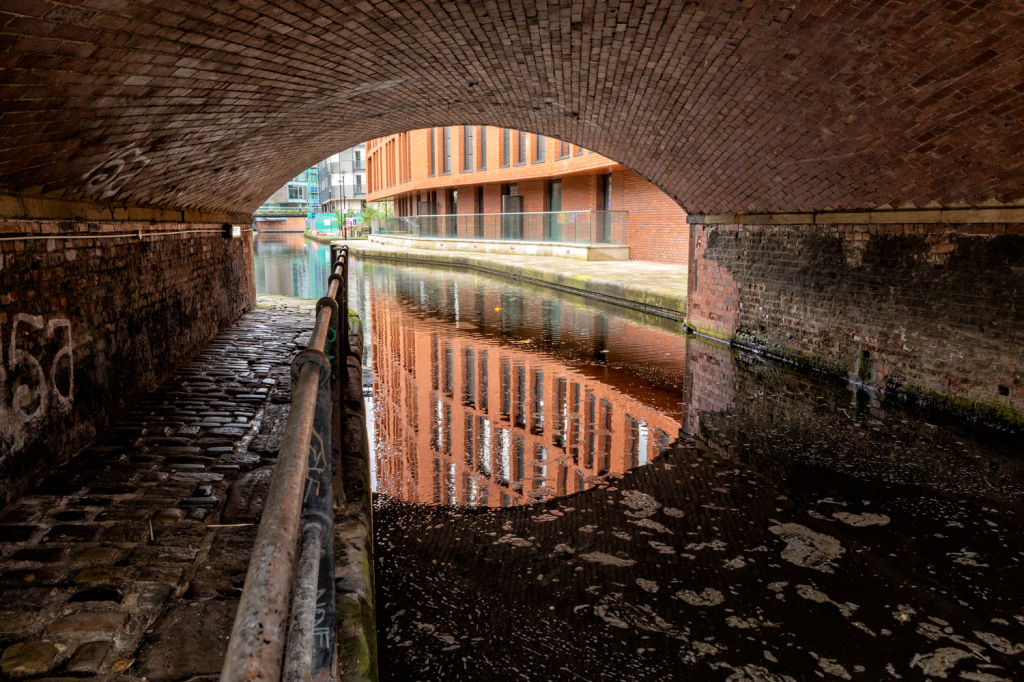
131	557
653	287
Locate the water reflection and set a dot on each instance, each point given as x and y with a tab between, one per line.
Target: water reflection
488	394
288	264
803	529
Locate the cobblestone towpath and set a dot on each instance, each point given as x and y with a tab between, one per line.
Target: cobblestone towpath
128	562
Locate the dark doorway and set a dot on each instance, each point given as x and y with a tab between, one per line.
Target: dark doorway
512	208
553	224
603	233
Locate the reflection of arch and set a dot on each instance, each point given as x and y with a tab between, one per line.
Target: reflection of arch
812	106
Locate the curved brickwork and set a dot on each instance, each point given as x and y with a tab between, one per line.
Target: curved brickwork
733	106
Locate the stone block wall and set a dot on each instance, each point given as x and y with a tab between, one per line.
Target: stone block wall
87	324
935	308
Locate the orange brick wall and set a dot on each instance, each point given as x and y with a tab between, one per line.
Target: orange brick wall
657	224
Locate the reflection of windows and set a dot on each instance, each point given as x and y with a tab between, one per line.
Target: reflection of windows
561	417
506	388
470	441
483	450
633	441
589	461
504	456
483	382
449	369
606	450
437	481
538	401
434	364
521	396
520	457
469	377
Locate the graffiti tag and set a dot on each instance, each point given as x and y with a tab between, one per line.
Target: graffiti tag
34	390
106	179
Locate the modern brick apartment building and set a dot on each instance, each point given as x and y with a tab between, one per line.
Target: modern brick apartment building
481	170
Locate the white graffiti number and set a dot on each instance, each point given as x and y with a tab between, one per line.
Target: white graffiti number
107	179
34	385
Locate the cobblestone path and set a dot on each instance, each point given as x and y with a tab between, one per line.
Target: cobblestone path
127	563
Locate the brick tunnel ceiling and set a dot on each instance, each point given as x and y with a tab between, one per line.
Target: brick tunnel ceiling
727	106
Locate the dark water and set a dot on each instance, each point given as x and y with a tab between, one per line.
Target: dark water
799	529
569	490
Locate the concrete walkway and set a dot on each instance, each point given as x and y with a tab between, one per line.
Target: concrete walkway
654	287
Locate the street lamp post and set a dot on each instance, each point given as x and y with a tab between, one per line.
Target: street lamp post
344	208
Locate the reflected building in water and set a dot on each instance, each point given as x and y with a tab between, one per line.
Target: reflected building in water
478	413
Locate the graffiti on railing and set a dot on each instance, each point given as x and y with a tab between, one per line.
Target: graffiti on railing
106	179
33	390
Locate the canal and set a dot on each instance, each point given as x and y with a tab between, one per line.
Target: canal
569	490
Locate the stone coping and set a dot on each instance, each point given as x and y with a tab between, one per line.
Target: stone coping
952	216
657	288
584	252
26	207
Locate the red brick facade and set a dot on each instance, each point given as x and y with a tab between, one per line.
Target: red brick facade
399	167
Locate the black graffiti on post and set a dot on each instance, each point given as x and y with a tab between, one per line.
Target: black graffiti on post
317	508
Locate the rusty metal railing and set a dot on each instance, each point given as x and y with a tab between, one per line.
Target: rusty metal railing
284	627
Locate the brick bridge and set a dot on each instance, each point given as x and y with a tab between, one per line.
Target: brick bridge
853	171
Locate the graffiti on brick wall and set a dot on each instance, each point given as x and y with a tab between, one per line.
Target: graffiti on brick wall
106	179
37	372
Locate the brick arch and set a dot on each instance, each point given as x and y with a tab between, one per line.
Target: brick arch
741	105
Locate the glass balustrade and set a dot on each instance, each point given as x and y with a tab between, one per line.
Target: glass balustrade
567	227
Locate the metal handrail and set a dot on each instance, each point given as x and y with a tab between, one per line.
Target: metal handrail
565	227
299	502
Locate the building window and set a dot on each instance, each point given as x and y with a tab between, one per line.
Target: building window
358	162
446	150
359	184
539	146
563	149
506	147
431	168
483	148
467	148
521	148
579	150
296	193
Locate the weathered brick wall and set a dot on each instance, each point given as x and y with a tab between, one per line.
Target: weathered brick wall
88	324
932	307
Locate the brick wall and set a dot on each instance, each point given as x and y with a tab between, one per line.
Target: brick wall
96	323
930	307
657	225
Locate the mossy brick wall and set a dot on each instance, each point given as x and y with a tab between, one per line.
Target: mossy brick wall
936	308
87	325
